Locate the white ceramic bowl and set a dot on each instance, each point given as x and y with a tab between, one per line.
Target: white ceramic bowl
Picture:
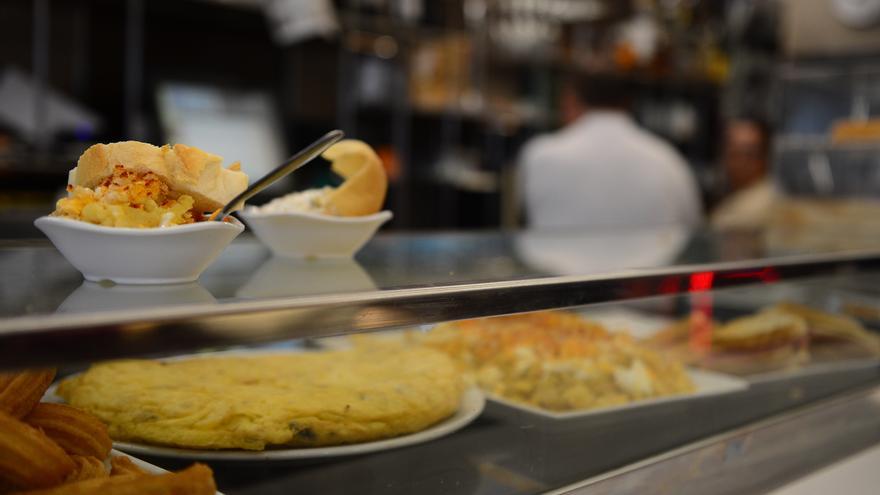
166	255
313	235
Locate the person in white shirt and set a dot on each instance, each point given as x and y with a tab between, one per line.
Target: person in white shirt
753	197
602	170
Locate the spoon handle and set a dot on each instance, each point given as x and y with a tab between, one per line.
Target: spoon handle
296	161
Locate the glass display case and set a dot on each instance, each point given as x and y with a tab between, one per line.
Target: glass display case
825	146
777	346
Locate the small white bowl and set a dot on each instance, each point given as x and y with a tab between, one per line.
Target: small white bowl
313	235
165	255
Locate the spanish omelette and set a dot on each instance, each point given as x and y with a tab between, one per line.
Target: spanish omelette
257	401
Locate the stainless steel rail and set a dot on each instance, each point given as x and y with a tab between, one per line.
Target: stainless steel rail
64	338
753	458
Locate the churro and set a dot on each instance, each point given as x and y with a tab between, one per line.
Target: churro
20	392
28	458
124	465
87	468
195	480
74	430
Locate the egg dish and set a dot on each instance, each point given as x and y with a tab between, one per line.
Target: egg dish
260	401
134	184
558	361
127	199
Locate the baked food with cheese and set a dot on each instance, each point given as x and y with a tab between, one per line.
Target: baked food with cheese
558	361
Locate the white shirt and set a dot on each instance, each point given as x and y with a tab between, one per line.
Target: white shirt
604	171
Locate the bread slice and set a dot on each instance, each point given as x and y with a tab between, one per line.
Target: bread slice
186	169
765	330
824	326
778	358
363	191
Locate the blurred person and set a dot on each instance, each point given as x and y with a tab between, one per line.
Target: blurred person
602	169
746	162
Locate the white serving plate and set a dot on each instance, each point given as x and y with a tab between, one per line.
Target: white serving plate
313	235
163	255
472	403
708	383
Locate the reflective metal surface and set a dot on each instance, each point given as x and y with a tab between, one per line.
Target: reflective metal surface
51	315
755	458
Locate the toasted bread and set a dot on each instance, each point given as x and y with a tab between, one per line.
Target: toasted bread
366	183
186	169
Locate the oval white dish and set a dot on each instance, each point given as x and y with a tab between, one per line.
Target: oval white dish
165	255
313	235
472	404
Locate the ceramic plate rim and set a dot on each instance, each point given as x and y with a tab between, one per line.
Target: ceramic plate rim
472	404
730	385
146	466
383	216
154	231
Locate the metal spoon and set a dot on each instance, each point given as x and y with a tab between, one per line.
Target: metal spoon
296	161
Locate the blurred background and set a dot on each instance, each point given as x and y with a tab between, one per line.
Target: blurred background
449	92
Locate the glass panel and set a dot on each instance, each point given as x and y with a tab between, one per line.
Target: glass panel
36	279
536	365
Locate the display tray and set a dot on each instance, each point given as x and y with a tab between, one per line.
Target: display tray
708	384
816	368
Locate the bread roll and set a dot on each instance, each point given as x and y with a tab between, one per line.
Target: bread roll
186	169
363	191
765	330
